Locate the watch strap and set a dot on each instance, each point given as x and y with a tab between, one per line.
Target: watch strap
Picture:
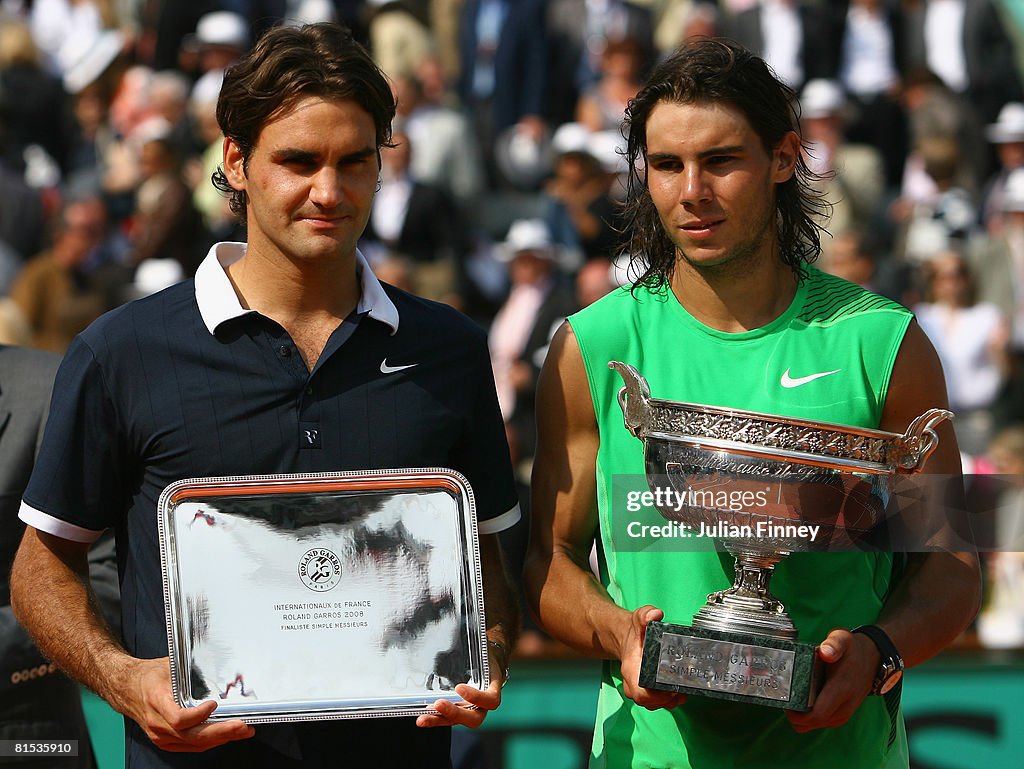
891	661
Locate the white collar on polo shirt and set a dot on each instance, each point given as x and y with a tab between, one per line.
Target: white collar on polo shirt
218	301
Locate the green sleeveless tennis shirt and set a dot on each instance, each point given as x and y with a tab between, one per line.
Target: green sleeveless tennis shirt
828	358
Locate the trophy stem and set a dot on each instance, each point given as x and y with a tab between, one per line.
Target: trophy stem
748	606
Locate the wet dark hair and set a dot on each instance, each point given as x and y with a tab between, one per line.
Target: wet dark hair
709	71
287	65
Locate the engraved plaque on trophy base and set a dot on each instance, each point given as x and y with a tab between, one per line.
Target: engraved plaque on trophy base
731	666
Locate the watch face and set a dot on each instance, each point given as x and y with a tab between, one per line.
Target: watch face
890	681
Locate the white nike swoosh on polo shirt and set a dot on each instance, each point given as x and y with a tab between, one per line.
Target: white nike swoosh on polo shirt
386	369
789	382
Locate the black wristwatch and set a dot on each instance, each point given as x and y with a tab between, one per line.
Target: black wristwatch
890	669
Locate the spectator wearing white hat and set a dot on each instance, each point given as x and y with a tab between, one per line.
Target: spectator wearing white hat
93	82
852	175
222	37
1007	136
63	29
539	299
998	260
579	200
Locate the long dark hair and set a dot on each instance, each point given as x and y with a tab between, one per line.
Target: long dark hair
705	72
289	64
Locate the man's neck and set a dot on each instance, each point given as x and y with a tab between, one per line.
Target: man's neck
731	302
308	299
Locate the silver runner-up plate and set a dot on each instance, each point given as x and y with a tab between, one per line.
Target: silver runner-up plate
322	596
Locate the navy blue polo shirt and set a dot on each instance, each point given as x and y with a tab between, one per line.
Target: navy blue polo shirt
187	383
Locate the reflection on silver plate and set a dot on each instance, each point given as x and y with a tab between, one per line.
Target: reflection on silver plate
310	597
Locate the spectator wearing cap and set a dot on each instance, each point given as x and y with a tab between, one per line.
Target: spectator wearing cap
539	299
1007	136
579	200
94	81
64	28
852	175
221	38
998	261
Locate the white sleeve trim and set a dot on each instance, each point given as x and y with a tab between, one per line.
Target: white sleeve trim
506	520
37	519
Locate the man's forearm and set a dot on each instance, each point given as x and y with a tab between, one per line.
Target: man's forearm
503	616
570	604
51	596
933	603
52	599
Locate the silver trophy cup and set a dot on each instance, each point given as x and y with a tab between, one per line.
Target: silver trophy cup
802	486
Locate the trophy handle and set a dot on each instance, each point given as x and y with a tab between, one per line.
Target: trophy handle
634	397
922	439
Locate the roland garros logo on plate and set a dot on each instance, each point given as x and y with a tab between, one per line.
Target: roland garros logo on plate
320	569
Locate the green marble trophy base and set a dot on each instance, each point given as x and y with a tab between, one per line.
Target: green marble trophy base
731	666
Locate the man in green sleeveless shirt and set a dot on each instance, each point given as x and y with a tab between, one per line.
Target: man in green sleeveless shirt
728	311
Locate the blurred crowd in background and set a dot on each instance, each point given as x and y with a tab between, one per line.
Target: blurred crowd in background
501	193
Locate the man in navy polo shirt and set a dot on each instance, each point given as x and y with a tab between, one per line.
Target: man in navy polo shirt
284	355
